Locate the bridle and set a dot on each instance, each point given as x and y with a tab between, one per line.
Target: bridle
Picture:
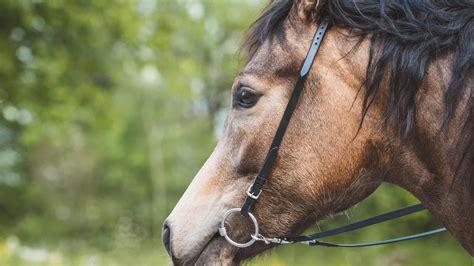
255	189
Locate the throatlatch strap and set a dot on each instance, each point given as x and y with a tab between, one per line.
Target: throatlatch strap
254	191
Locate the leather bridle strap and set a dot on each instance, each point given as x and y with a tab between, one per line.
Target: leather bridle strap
316	242
256	188
361	224
312	239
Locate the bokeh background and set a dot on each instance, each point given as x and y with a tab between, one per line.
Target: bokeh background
109	108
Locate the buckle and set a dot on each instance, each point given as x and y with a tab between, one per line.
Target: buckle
253	196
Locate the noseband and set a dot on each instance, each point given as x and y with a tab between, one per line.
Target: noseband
255	189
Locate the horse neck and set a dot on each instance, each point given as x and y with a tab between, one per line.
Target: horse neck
436	166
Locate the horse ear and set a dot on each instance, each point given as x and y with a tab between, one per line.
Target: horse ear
308	10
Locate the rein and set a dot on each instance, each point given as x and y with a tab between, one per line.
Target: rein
254	191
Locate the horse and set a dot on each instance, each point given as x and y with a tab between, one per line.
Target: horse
388	99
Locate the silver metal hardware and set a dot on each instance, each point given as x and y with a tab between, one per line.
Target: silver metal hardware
279	241
249	193
271	240
256	236
223	232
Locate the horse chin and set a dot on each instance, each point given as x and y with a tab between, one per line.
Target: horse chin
218	252
247	253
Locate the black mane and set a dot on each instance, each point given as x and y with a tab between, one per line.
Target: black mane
405	37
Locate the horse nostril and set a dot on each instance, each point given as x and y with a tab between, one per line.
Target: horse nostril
165	236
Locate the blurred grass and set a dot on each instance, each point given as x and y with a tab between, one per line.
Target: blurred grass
147	254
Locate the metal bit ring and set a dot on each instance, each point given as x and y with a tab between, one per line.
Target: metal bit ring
223	231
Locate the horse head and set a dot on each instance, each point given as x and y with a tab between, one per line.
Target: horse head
330	158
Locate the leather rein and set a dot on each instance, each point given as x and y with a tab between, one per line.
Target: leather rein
255	189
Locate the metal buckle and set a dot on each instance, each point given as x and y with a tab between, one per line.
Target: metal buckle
223	232
249	193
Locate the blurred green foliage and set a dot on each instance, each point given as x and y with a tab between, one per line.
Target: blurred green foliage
109	108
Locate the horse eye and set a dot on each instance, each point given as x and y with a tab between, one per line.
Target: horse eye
246	97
